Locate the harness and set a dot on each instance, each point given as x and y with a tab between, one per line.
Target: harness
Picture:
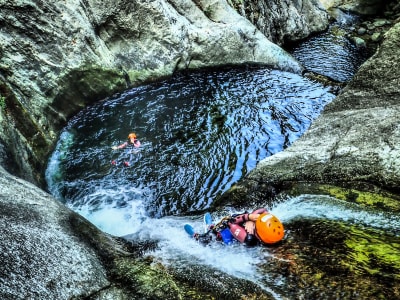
214	230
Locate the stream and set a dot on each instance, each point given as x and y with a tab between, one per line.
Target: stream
200	133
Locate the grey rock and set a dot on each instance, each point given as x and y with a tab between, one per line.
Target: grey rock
381	22
284	21
359	42
57	57
357	137
361	31
365	7
376	37
42	258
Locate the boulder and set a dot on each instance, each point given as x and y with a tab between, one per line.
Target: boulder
57	57
361	7
354	142
42	257
284	21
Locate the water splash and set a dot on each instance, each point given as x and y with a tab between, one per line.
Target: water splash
200	134
329	208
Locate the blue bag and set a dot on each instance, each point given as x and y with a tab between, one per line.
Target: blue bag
227	236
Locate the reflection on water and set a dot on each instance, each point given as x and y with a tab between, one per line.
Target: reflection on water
331	53
200	133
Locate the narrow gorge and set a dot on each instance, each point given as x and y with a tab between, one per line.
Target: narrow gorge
58	58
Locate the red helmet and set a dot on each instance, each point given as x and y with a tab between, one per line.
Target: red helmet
269	229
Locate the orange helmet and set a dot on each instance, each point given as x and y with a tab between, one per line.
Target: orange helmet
269	229
132	135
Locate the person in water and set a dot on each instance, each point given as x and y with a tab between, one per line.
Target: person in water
251	229
257	226
132	143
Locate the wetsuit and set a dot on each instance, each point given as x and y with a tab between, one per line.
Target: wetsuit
237	227
131	149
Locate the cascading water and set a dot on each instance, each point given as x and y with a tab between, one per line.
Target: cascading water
236	260
200	133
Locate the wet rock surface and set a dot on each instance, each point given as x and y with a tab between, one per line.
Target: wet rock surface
50	252
280	21
353	146
356	138
41	257
58	57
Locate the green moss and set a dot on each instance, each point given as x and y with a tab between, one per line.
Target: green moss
147	278
98	82
373	252
367	198
137	76
379	200
147	75
2	102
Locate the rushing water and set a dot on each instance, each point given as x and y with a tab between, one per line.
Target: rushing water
200	133
243	262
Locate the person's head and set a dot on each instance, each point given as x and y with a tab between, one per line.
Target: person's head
269	229
132	137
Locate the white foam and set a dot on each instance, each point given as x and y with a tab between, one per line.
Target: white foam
325	207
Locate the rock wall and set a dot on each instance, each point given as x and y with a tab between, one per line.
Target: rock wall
41	257
362	7
284	21
355	143
57	57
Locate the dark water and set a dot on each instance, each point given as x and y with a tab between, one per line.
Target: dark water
200	133
332	53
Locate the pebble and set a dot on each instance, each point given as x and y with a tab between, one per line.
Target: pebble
362	31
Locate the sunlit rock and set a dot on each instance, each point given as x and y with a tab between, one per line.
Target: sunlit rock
367	7
284	21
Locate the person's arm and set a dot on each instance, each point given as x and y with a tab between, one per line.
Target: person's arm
253	216
120	146
136	143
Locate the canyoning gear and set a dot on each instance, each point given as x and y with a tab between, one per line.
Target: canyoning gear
242	226
226	236
204	238
269	229
251	240
247	228
238	232
132	146
221	231
189	230
132	135
132	140
208	223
